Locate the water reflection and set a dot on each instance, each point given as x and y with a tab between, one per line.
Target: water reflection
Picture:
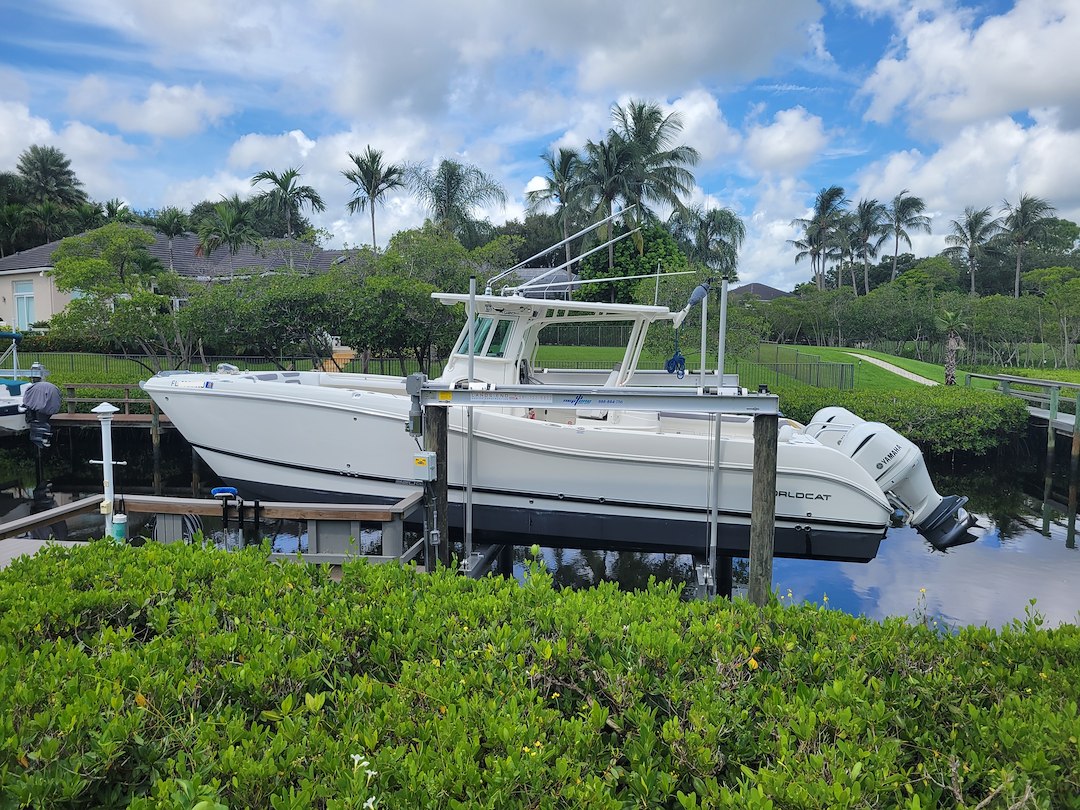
1027	549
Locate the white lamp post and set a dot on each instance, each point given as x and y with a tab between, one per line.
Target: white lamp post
105	413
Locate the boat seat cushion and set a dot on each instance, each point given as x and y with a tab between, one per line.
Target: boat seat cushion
12	387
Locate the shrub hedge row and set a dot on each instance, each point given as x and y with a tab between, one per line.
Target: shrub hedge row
940	419
177	676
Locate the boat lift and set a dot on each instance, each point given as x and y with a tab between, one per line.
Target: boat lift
763	406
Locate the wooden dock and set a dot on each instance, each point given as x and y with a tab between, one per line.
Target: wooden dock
136	408
332	528
1042	397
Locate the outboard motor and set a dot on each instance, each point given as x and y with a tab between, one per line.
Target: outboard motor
830	425
897	466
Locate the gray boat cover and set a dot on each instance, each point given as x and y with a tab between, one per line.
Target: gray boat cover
43	397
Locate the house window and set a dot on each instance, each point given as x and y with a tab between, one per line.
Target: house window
24	304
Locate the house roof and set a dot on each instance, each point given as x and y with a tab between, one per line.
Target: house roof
187	261
762	291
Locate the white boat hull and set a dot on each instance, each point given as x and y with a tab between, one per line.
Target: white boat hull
293	437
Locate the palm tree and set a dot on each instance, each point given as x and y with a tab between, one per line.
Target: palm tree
561	189
605	178
48	219
818	229
230	225
116	210
172	222
658	170
971	237
1024	222
11	222
452	191
372	180
88	216
47	176
711	237
287	195
905	213
952	324
869	231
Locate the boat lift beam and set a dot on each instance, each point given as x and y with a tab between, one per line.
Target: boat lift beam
762	406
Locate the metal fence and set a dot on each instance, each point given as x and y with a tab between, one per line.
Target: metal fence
78	363
796	366
586	334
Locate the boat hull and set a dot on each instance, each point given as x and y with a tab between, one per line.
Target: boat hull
534	481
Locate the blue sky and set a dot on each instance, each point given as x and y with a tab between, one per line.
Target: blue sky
962	103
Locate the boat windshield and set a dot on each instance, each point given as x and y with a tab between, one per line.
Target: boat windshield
500	336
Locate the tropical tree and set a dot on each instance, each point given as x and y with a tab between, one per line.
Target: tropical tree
868	232
818	230
287	195
658	170
108	261
452	191
606	178
905	213
372	180
971	238
48	177
171	222
952	324
47	219
561	189
709	237
1024	222
229	225
11	223
116	210
87	216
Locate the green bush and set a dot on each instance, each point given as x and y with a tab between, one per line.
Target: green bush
939	419
175	676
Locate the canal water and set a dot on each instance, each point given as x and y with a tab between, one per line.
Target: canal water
1024	561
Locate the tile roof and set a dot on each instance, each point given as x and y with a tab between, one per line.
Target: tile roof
187	261
762	291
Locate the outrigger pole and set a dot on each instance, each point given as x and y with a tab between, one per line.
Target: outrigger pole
557	245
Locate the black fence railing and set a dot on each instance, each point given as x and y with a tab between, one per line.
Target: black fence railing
797	366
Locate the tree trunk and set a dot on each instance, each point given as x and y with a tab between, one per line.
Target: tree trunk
896	253
1016	285
866	275
373	248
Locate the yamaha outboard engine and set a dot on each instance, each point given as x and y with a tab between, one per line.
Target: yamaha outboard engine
898	467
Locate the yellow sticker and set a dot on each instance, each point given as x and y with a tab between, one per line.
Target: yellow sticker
420	461
445	396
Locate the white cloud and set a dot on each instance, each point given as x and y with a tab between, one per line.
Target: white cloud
951	72
167	110
18	130
704	126
787	145
982	165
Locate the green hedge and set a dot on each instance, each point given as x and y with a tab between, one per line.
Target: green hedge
173	676
939	419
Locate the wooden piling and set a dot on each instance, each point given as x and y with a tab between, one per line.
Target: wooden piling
435	440
1055	400
196	484
155	441
763	509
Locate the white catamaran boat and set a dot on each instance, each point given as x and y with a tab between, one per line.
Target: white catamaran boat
560	475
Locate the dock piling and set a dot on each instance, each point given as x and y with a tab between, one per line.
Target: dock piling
763	508
435	440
